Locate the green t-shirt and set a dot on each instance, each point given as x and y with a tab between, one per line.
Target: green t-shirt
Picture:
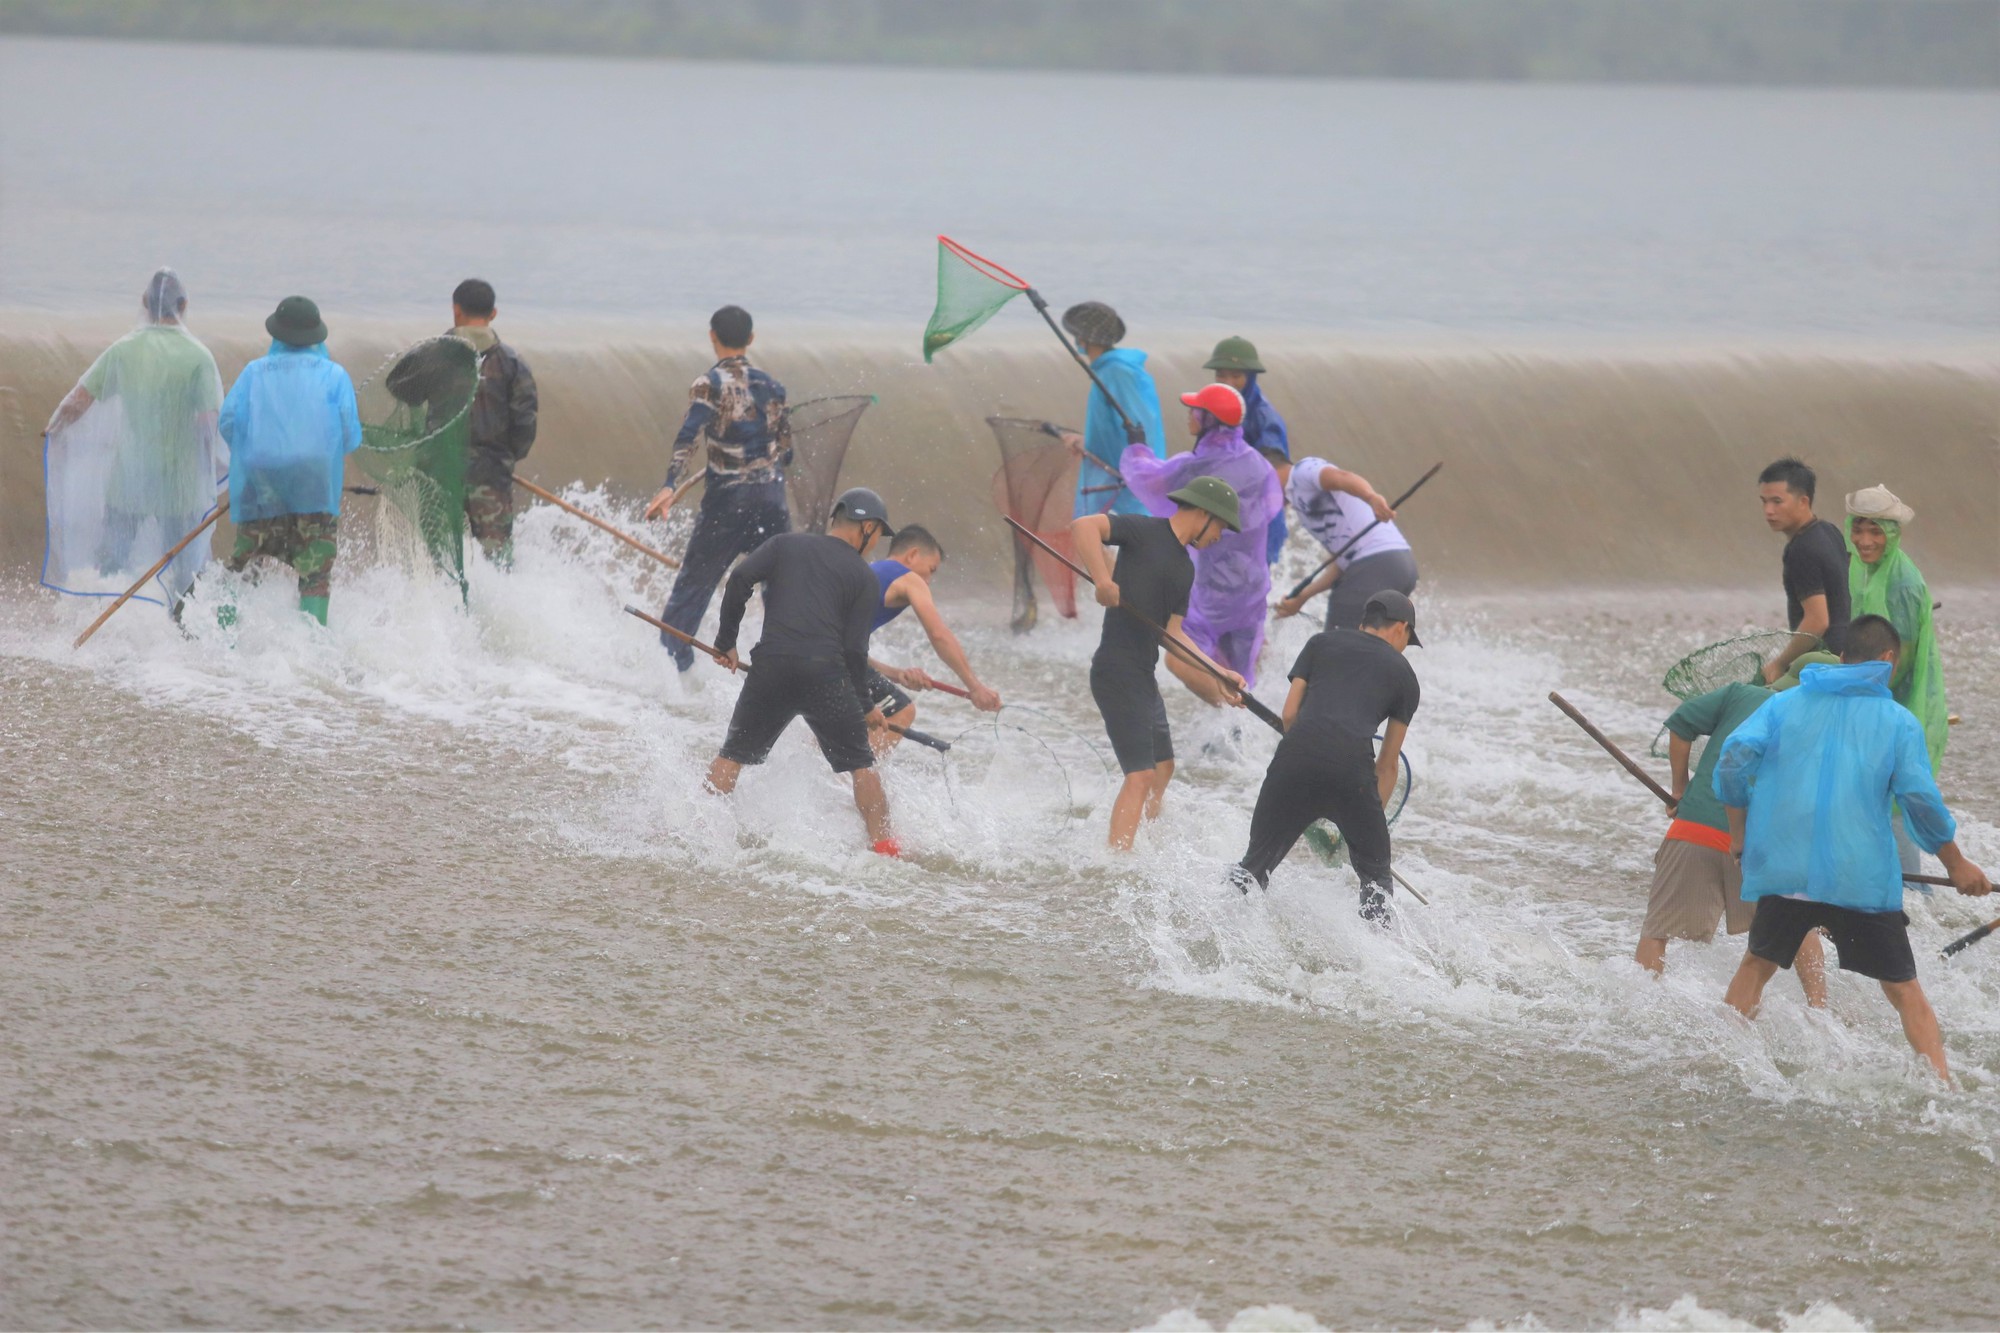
1714	715
164	385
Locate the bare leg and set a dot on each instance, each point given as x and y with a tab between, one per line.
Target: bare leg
872	803
1651	955
884	740
1133	798
1746	988
722	775
1920	1023
1811	967
1163	773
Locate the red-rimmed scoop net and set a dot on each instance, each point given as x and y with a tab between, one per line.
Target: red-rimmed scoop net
970	291
1034	485
821	428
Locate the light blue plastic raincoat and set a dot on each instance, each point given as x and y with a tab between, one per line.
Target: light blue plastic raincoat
290	421
1123	370
1816	767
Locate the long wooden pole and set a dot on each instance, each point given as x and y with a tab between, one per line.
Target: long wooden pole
1397	503
1666	797
1969	938
1257	707
221	504
595	521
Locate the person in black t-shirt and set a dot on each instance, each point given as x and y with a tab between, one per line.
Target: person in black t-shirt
1345	685
1816	599
1151	582
820	599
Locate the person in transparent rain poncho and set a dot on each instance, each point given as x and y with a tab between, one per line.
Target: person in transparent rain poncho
1232	578
133	457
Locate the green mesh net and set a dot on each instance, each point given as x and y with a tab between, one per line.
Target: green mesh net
416	420
970	291
1737	661
1324	838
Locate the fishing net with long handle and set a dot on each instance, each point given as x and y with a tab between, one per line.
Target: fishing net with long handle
1037	477
821	430
1737	661
1324	838
1025	763
416	424
970	291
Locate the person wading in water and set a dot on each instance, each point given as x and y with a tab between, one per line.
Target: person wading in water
905	580
820	599
1151	582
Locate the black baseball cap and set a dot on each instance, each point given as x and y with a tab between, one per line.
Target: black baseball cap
861	504
1394	606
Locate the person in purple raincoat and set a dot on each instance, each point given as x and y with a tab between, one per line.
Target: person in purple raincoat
1232	579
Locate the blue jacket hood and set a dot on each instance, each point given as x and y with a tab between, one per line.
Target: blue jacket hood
1847	678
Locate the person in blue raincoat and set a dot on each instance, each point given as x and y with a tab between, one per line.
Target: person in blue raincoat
1098	330
1806	782
290	420
1235	363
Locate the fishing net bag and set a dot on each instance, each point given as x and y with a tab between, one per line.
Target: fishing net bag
416	424
1737	661
821	429
970	291
1034	485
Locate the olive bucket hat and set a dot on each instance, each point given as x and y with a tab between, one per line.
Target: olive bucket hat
1212	495
1095	323
296	322
1235	354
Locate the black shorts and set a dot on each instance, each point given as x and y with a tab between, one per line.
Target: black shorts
779	689
885	694
1875	944
1135	717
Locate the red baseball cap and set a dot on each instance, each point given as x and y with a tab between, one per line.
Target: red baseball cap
1219	401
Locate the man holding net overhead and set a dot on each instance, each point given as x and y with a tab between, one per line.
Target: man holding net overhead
738	411
1121	370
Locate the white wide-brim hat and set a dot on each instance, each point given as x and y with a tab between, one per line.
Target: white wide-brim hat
1879	502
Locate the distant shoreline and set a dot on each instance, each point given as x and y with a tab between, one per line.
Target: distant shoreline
1937	44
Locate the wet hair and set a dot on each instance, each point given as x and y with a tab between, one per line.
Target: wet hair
1795	475
165	296
1869	639
914	538
731	326
475	297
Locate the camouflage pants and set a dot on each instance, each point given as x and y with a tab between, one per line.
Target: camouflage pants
489	513
306	542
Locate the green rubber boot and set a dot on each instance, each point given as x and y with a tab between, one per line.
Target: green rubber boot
314	607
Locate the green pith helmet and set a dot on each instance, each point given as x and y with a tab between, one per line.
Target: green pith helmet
1212	495
1235	354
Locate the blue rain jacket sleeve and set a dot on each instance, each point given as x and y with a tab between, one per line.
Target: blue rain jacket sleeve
1265	429
1816	768
1123	371
290	420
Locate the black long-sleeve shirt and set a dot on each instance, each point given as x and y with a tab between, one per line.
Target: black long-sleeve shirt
820	599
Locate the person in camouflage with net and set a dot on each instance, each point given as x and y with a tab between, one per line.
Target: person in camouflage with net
290	420
505	410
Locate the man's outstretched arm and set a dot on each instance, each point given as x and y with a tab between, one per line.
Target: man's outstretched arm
943	641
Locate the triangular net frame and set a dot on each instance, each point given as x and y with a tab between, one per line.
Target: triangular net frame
416	424
970	291
821	430
1034	486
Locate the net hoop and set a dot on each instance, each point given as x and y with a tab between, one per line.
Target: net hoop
388	364
985	267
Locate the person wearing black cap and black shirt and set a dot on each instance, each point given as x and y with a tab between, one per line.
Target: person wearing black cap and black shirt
820	599
1345	685
1152	582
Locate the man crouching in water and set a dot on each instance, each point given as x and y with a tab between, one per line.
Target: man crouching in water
1808	781
812	661
905	580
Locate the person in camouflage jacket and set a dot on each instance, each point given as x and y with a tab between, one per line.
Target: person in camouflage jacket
504	411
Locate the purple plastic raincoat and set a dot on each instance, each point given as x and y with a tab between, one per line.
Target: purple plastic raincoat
1227	613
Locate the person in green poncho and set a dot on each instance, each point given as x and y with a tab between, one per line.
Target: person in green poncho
1882	581
1885	582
